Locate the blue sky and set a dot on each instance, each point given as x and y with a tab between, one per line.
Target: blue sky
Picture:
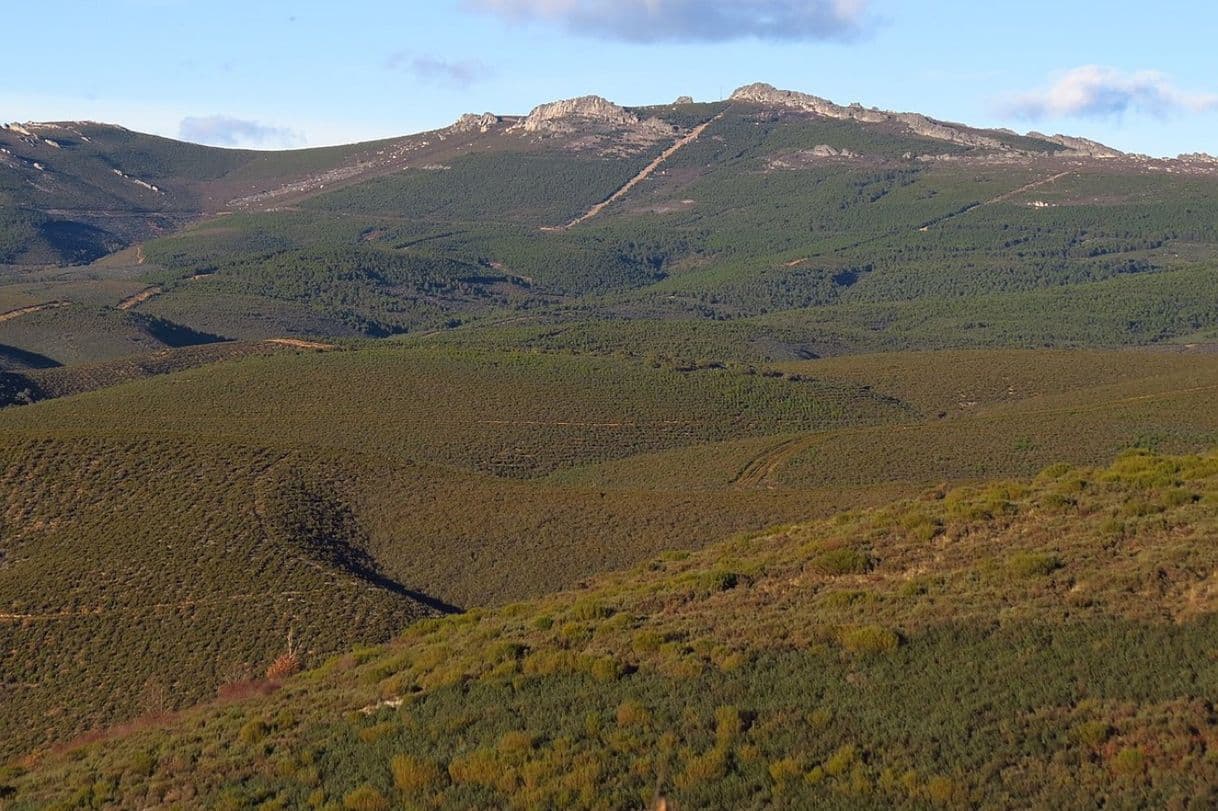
1141	77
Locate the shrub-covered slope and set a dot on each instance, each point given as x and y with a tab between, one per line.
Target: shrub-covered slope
1042	643
140	570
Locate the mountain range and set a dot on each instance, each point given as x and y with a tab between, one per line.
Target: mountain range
755	453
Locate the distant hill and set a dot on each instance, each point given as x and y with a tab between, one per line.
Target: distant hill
771	205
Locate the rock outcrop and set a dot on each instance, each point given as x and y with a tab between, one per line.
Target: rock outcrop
587	114
472	122
683	100
1199	157
770	96
1080	147
809	157
826	151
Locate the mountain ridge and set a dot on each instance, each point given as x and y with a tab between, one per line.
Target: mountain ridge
552	115
560	115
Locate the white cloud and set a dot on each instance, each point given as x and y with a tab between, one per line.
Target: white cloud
693	20
1095	91
222	130
459	73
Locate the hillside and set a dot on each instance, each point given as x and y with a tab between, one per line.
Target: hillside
430	477
751	453
846	228
1037	643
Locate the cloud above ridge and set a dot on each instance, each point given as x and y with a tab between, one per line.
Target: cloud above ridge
1095	91
646	21
458	73
223	130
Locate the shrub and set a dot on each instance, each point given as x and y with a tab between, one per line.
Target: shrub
516	742
1058	502
1178	497
413	775
1143	469
1055	471
703	768
870	639
647	641
286	664
253	731
841	760
588	611
983	505
941	790
365	798
786	769
727	726
842	561
480	767
574	633
1093	733
919	524
604	668
632	713
819	718
1033	564
716	580
1129	761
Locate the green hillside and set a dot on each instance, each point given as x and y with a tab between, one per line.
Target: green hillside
748	454
1038	643
829	235
75	191
464	479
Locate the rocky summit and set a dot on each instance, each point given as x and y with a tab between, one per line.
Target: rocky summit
586	112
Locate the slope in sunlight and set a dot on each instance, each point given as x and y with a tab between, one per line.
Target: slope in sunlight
1017	643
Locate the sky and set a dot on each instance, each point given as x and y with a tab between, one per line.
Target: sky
266	74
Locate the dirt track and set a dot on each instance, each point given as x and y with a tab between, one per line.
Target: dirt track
758	470
296	343
131	302
764	464
1002	198
647	172
33	308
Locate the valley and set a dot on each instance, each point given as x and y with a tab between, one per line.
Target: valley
760	452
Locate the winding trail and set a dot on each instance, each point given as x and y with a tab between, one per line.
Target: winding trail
647	172
760	468
33	308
